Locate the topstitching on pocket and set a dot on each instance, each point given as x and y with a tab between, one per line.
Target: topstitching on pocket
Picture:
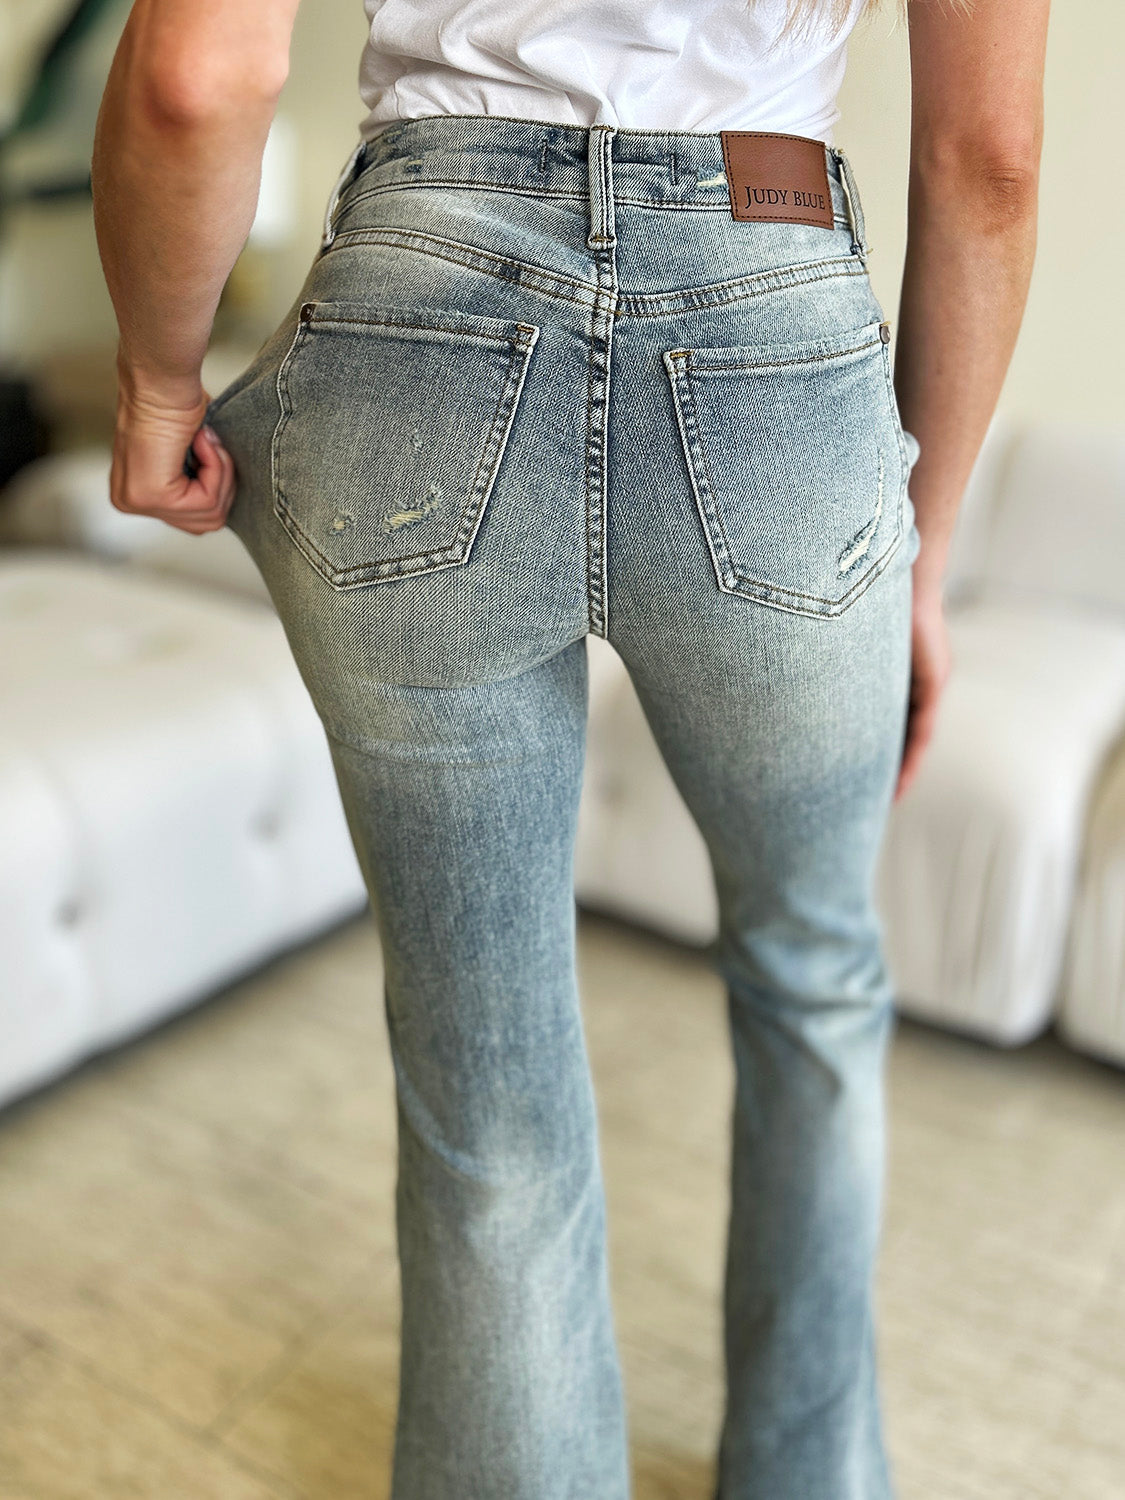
390	435
798	465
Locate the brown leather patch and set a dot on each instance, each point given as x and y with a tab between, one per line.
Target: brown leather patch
777	179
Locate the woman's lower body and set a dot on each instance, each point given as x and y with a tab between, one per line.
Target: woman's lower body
540	383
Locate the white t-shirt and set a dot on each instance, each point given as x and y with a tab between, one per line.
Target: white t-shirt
703	65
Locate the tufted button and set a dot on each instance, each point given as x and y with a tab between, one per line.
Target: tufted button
267	825
611	790
69	912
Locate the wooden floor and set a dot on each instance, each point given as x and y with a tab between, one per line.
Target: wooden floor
198	1285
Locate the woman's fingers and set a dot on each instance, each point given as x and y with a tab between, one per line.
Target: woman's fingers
212	489
930	670
148	476
920	728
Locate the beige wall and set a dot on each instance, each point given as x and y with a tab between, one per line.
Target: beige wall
322	97
1069	358
52	295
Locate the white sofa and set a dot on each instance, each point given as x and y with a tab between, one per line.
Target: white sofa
169	814
1001	882
171	818
1092	997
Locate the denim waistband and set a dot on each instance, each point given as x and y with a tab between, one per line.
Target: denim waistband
605	164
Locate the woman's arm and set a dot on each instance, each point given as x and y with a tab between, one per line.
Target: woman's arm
176	167
976	128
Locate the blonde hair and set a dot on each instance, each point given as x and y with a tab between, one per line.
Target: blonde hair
803	14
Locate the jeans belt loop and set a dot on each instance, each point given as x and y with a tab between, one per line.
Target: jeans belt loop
855	207
345	178
602	234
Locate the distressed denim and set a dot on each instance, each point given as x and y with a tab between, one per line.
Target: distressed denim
539	383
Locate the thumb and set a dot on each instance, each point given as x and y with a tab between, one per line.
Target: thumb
203	451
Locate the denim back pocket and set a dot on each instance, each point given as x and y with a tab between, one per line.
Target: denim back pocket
391	431
798	463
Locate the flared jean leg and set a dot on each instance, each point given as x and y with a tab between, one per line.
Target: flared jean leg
462	804
783	734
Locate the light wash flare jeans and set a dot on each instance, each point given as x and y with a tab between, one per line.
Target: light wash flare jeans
540	383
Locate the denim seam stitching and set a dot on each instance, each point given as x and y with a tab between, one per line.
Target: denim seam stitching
632	305
281	386
595	472
527	191
422	326
657	304
473	257
771	364
896	422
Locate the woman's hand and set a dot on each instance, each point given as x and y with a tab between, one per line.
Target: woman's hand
929	671
175	175
150	447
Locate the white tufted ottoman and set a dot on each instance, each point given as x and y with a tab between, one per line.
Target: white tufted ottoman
168	811
1092	1011
978	873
